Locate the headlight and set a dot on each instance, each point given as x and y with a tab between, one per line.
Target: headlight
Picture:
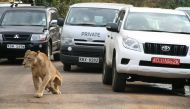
38	37
67	41
131	44
1	37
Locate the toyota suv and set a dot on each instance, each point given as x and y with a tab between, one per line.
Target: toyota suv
34	28
150	45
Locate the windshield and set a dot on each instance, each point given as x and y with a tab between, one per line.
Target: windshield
24	18
91	16
139	21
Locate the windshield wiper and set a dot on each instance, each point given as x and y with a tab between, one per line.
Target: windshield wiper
154	30
84	24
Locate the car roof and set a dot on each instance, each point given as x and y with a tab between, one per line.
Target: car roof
37	8
102	5
182	8
156	10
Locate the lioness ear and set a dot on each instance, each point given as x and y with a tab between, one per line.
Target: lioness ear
28	51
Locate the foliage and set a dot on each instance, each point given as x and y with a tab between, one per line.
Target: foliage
63	5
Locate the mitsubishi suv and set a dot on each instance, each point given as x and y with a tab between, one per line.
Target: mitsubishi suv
150	45
35	28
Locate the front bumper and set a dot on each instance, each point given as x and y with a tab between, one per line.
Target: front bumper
140	63
19	53
72	56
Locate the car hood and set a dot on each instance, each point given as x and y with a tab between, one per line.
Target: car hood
158	37
23	29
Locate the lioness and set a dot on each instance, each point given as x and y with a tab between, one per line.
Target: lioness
43	69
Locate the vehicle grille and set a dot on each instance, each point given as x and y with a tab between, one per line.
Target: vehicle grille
175	50
20	37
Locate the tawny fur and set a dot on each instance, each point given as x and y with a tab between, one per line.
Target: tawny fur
44	73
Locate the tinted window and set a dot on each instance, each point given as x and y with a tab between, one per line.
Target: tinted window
91	16
24	18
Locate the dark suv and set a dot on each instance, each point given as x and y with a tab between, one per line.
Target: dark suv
34	28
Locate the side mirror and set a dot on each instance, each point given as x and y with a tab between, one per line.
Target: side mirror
53	23
113	27
60	21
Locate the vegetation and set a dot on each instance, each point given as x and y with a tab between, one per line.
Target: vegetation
62	5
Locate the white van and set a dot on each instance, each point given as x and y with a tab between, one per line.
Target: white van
84	33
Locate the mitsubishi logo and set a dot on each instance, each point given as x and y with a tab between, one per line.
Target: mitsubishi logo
16	36
165	48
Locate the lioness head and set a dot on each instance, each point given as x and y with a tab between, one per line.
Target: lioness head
30	58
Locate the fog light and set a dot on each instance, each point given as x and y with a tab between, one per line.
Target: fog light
69	48
40	46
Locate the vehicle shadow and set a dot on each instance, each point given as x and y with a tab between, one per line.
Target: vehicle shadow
15	62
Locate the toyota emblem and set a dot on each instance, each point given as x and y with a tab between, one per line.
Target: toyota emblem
165	48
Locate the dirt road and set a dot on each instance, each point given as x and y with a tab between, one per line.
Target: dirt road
82	89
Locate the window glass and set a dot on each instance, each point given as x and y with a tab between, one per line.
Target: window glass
91	16
24	18
157	22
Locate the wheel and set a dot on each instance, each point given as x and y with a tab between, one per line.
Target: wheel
56	57
119	80
107	74
67	67
178	87
48	51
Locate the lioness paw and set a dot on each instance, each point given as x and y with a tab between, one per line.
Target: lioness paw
38	95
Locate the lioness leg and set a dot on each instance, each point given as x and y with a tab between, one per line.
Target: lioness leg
43	86
50	87
57	84
36	81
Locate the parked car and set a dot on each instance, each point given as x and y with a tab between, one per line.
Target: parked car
148	44
34	28
84	33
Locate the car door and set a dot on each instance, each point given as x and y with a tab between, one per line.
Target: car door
113	35
54	30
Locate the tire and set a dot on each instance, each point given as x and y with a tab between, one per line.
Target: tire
67	67
106	74
56	57
119	80
178	87
48	51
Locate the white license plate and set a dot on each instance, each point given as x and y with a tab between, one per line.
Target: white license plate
16	46
88	60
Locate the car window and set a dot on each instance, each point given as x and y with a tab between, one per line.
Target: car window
94	16
157	22
2	9
29	18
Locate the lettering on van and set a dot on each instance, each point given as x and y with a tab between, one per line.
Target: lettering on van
92	34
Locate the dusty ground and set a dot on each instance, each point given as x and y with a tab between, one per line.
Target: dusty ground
82	89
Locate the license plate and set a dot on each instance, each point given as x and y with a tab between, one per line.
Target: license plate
88	60
169	61
16	46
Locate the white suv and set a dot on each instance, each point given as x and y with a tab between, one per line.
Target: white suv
148	44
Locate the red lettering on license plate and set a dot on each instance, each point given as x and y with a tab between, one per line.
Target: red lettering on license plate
169	61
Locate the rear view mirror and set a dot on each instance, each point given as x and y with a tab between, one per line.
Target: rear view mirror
60	21
113	27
